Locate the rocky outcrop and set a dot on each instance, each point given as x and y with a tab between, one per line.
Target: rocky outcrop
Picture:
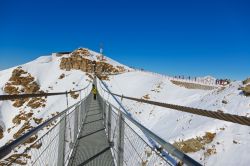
195	144
22	117
246	90
37	102
26	127
246	87
246	81
81	51
74	95
1	133
61	76
78	60
15	159
23	82
38	120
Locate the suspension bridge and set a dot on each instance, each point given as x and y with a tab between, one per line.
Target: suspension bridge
98	133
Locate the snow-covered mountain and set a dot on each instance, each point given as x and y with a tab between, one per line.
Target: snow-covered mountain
209	141
53	73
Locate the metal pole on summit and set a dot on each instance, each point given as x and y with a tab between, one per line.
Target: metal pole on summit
101	51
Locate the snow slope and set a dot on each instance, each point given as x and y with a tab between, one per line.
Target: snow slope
231	142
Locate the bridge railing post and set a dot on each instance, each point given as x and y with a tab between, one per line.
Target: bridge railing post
83	110
120	140
61	147
76	122
109	122
106	116
104	112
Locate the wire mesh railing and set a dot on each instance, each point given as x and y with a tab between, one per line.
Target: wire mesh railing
54	142
128	147
132	143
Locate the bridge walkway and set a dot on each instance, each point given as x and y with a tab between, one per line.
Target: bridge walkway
92	147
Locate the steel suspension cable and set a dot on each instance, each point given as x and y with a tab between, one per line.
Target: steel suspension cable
22	96
243	120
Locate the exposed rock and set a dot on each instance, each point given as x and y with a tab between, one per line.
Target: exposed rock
146	97
35	103
74	95
17	159
22	117
144	162
32	88
246	90
22	130
38	120
195	144
224	102
22	82
103	67
246	81
81	51
101	58
10	89
210	152
36	145
121	69
235	142
78	61
103	77
31	139
90	76
1	133
61	76
19	102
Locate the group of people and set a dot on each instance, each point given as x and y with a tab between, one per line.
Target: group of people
222	81
183	77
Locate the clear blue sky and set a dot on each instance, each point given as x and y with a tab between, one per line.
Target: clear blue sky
189	37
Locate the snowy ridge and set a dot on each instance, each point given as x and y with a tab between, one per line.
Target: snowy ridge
230	142
207	80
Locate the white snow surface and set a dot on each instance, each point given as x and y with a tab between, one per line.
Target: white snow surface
173	125
169	124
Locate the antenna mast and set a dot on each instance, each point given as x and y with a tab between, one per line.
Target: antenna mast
101	50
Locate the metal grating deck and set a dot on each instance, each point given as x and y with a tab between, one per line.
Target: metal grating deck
92	147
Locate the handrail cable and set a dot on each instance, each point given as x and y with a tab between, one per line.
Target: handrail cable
243	120
21	96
